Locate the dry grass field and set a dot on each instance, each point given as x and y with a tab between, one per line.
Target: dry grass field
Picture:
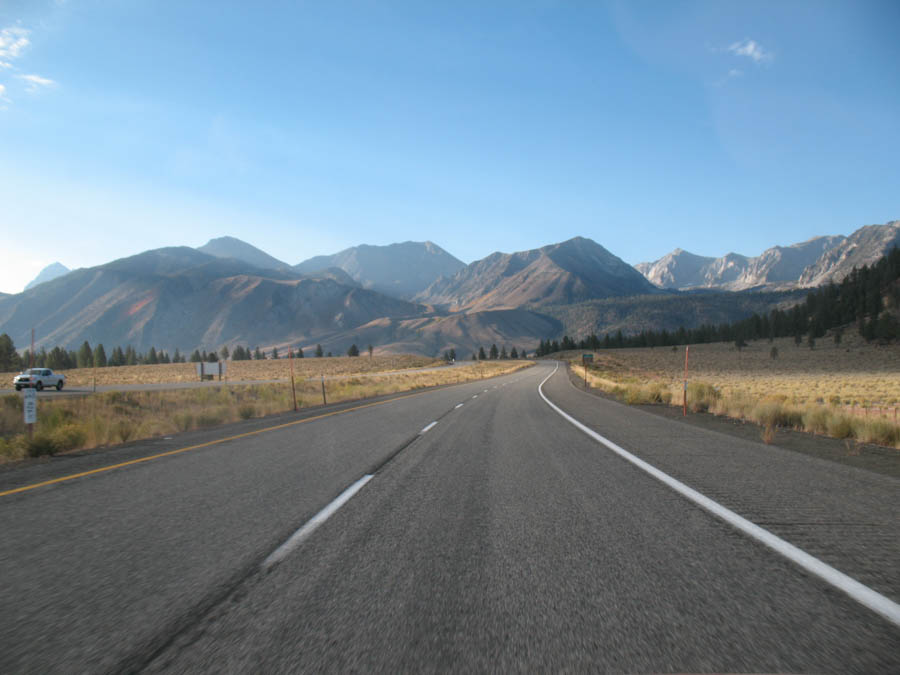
240	371
116	417
850	390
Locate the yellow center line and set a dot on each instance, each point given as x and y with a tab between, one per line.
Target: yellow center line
169	453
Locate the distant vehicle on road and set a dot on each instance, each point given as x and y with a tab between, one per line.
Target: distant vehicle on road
39	378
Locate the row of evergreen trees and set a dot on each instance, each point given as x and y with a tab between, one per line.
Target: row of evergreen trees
96	357
868	297
495	354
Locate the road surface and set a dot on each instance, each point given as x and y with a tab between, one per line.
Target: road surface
470	528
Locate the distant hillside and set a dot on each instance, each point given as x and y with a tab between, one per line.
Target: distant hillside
180	297
230	247
777	266
433	335
401	270
49	273
864	247
665	311
571	271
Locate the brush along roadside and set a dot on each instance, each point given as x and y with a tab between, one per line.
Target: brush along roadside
118	417
770	412
246	371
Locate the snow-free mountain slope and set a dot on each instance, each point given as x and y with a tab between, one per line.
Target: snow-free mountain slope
570	271
231	247
401	270
49	273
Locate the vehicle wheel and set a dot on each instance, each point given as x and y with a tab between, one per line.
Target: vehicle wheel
39	386
18	388
59	385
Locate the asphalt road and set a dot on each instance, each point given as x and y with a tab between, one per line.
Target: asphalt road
501	538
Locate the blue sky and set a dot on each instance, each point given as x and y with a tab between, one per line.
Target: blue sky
304	128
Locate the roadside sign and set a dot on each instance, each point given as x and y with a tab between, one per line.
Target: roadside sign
587	358
30	406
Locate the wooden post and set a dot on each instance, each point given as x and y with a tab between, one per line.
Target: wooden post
293	389
324	402
687	351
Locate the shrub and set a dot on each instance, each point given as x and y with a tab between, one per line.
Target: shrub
880	432
69	437
772	412
701	396
841	426
815	419
123	430
246	411
39	444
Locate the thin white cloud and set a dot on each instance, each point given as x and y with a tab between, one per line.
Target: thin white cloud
730	75
13	41
752	50
35	82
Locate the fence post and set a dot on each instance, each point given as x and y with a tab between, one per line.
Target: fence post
324	402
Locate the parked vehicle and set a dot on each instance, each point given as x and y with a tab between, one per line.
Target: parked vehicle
39	378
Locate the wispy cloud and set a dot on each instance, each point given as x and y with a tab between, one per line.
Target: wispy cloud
35	82
752	50
13	41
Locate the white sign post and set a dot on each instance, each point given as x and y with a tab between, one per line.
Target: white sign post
30	406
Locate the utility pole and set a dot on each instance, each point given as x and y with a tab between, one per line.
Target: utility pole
293	389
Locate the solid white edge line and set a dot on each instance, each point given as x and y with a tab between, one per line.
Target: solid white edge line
427	428
878	603
459	405
300	535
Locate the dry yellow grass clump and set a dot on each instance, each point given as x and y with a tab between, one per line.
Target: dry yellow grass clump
847	390
240	371
116	417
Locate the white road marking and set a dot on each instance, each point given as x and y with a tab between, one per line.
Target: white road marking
459	405
425	430
475	396
878	603
300	535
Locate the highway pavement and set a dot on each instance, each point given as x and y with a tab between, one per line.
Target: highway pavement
469	528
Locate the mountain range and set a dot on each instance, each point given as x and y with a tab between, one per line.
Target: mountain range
809	263
413	296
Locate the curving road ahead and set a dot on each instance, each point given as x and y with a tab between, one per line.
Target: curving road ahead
467	528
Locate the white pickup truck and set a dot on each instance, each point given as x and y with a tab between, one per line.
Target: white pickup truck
39	378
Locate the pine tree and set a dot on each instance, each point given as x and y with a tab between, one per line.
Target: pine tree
514	354
299	352
9	357
100	356
353	350
130	356
503	354
452	354
319	352
481	355
258	355
152	357
371	350
195	356
223	352
85	358
177	357
275	353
